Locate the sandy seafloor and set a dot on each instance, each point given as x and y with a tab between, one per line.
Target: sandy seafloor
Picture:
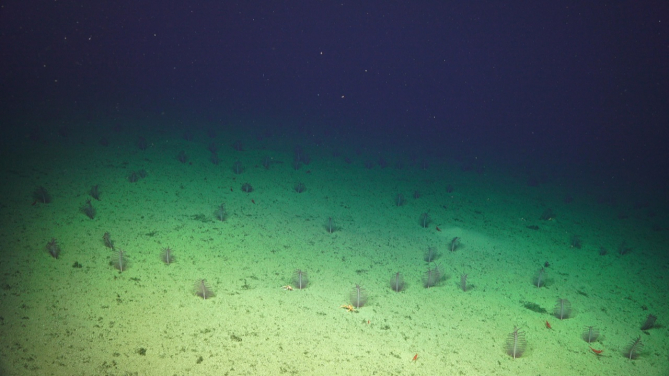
61	320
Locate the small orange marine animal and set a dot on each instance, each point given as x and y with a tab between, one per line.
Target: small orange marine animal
287	288
596	351
348	307
415	357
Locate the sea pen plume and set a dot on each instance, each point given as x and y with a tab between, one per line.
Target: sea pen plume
516	343
203	290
